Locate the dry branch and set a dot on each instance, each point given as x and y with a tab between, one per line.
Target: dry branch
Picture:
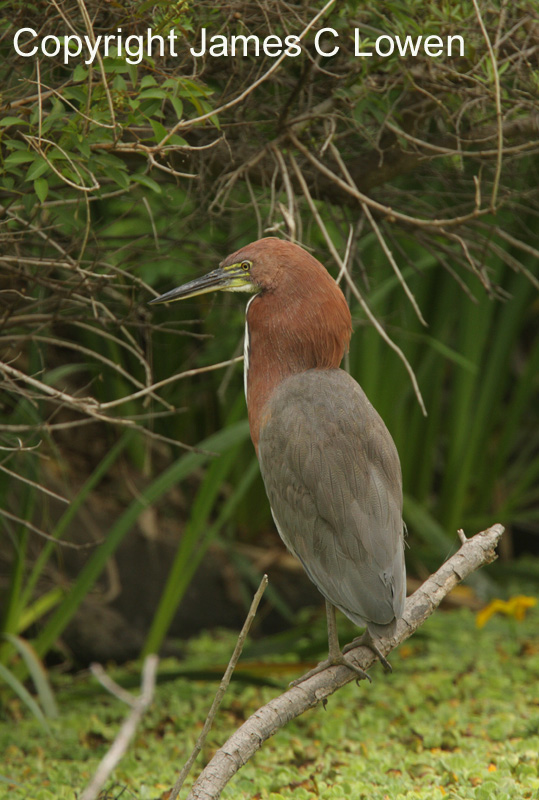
222	688
138	706
473	553
355	291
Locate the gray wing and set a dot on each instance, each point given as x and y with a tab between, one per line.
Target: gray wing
333	478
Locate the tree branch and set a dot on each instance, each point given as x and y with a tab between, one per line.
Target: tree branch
223	686
138	706
474	553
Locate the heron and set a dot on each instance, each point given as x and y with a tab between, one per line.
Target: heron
329	464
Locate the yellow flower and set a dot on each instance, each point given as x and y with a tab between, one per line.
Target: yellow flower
514	607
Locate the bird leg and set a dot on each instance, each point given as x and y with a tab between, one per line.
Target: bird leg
366	640
335	657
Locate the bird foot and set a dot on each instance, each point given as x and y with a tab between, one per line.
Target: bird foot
337	660
366	640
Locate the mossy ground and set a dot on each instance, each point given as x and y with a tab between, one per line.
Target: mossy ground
457	719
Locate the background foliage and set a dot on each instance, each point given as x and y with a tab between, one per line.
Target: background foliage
415	179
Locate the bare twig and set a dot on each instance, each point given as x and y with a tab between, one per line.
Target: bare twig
187	374
91	354
126	732
222	689
111	686
452	151
40	102
290	217
394	265
88	406
266	721
525	246
31	527
359	297
35	485
498	96
387	211
90	30
36	144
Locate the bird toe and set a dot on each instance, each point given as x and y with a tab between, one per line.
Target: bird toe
366	640
339	660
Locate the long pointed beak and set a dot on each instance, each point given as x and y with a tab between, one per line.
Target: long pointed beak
212	282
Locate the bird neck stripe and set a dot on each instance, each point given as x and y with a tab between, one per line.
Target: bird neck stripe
246	349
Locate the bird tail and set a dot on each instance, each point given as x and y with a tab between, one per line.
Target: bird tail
379	631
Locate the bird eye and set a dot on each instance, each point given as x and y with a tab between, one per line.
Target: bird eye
245	265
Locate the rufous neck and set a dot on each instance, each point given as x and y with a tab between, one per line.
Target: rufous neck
290	330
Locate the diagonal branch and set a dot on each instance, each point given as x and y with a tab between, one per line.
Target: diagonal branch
222	689
355	291
139	706
386	211
473	553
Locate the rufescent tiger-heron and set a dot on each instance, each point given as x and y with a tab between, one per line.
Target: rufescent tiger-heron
330	467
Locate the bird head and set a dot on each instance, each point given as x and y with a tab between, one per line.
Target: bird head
237	273
256	268
298	318
297	297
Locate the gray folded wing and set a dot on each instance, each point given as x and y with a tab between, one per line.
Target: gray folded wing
333	478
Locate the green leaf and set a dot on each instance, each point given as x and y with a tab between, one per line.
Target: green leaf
112	64
228	441
39	608
77	93
150	107
179	140
84	147
148	80
153	94
145	180
118	176
29	201
159	130
192	89
427	528
214	119
20	157
108	160
80	73
133	73
41	188
197	537
6	122
178	106
14	144
37	169
119	83
62	616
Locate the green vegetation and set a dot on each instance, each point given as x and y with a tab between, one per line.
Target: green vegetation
457	719
120	180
